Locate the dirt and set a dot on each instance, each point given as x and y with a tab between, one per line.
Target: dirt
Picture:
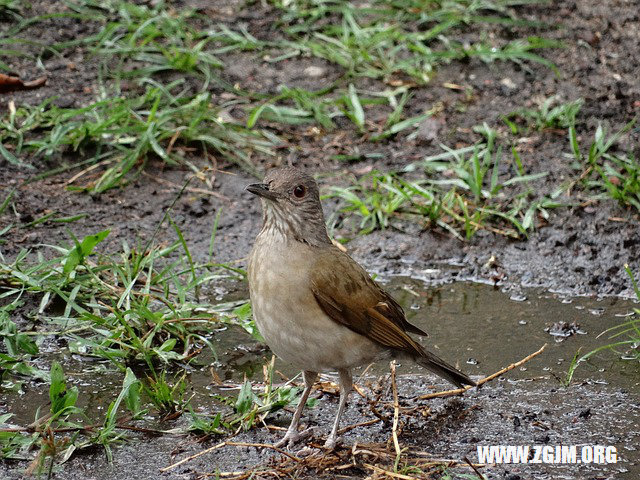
527	406
579	251
524	414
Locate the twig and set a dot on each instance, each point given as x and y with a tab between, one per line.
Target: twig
359	391
338	245
87	170
457	391
513	365
187	459
356	425
474	468
240	474
229	444
586	172
396	408
86	429
264	445
388	473
202	191
172	141
231	474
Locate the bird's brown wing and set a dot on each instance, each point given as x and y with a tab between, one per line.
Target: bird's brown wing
346	294
392	309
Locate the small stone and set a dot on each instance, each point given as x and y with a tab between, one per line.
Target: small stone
518	297
428	130
64	102
507	82
314	71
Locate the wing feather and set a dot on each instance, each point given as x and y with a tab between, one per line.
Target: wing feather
346	293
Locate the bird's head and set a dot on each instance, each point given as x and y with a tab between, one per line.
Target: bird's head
291	204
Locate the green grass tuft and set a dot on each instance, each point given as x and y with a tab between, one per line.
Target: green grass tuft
461	191
549	115
605	172
123	133
626	337
402	37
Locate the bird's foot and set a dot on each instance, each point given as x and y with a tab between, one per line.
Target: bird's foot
308	451
331	442
292	437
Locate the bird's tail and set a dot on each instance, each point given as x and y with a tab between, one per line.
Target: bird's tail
440	367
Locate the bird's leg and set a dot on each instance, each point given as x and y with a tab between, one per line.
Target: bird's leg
293	436
346	385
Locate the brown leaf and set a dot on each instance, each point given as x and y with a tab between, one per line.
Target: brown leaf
9	83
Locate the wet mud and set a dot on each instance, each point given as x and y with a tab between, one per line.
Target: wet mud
565	282
480	327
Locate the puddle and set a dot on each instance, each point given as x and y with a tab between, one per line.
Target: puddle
482	330
475	326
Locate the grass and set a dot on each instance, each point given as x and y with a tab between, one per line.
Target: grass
627	334
20	349
350	103
625	337
401	42
251	409
157	39
607	173
148	47
550	114
157	118
124	308
49	433
65	429
486	186
135	309
122	134
461	191
387	39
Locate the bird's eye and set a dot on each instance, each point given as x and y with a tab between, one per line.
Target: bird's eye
299	191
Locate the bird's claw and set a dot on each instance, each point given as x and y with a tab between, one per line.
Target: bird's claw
293	437
331	442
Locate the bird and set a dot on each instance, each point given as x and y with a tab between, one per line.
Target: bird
315	306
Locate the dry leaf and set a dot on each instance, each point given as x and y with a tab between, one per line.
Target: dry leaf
9	83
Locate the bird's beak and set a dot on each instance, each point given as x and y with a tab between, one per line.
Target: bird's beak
262	190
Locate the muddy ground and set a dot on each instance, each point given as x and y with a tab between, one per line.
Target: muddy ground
580	251
527	406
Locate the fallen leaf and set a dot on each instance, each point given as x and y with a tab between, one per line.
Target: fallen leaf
9	83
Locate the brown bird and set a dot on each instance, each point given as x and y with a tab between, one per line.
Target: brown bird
314	305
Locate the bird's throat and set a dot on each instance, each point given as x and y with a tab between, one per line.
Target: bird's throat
283	225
